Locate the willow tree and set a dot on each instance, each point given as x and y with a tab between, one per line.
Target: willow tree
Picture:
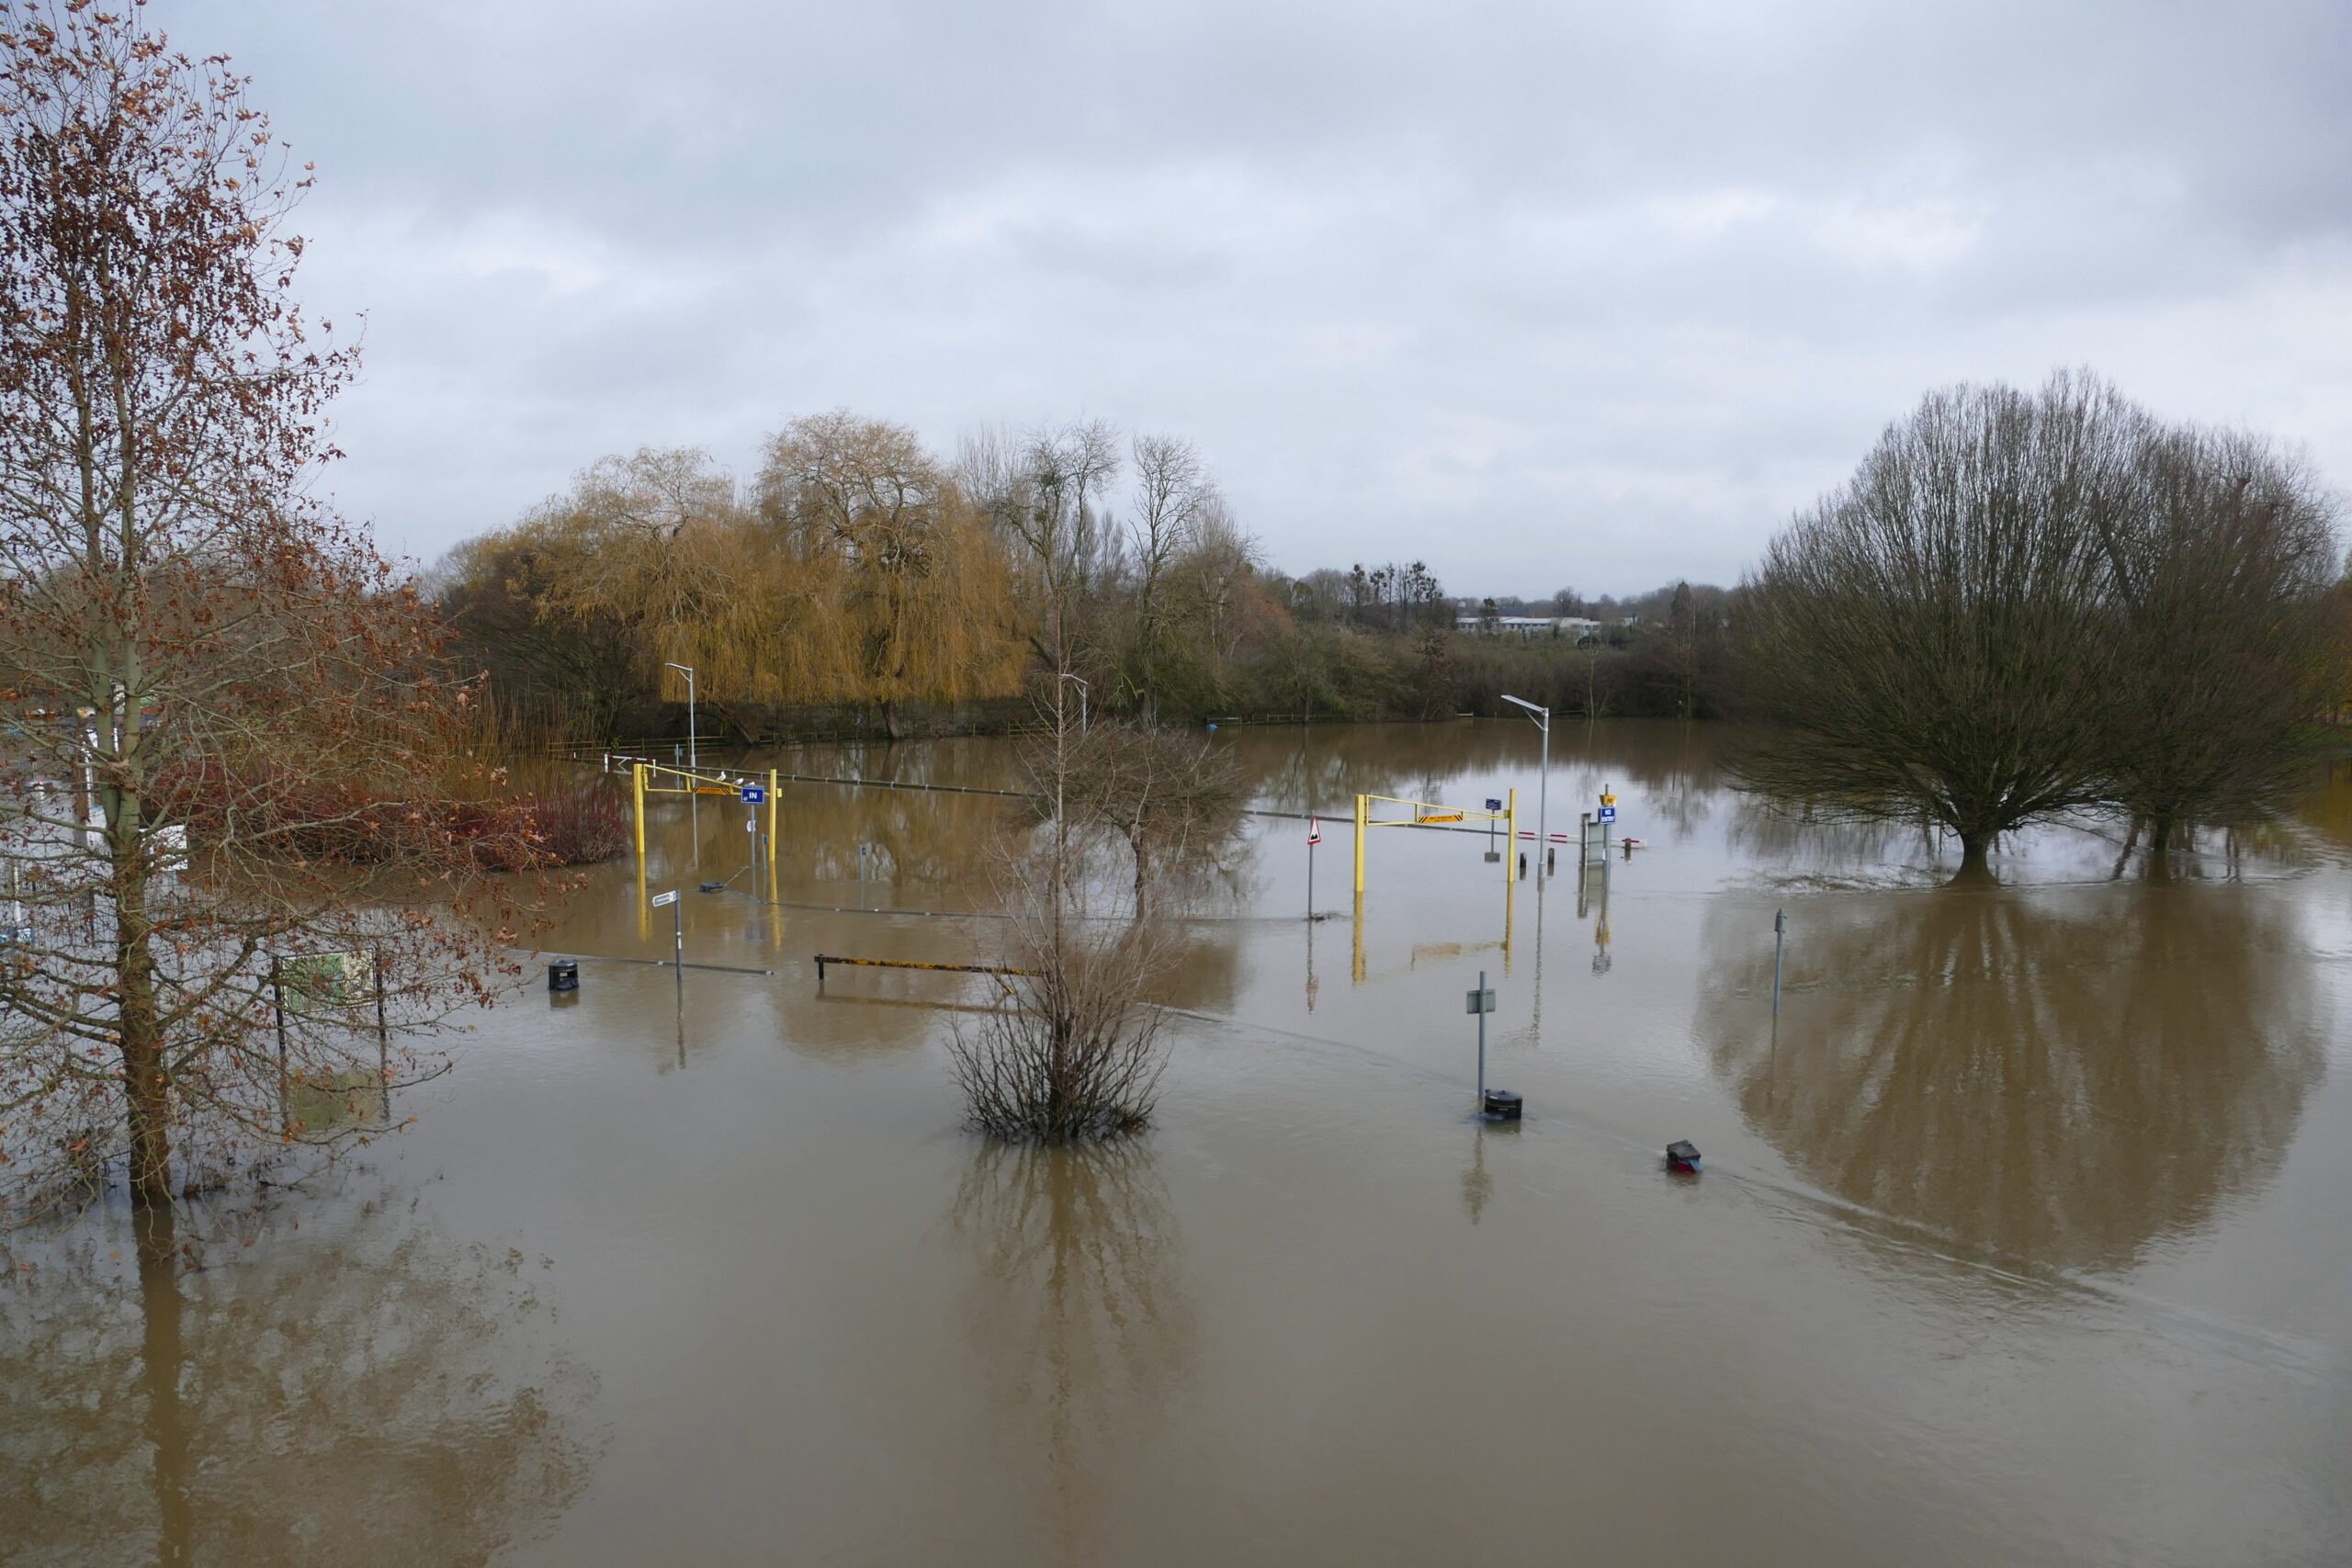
227	727
1932	636
922	607
656	543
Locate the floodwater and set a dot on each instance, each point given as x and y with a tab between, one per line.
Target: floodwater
2023	1235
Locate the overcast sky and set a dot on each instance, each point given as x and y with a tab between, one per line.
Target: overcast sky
1541	294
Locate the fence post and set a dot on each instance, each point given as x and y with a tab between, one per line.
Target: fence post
278	1000
383	1037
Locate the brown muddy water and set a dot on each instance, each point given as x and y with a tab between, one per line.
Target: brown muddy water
2023	1237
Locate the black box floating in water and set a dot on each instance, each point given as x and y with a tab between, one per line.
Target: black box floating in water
1682	1154
563	974
712	886
1502	1105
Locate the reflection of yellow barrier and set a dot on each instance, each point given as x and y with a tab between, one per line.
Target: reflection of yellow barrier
1431	814
1358	972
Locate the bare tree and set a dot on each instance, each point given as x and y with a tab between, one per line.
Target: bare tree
1930	635
1171	798
1173	496
232	740
1043	497
1074	1053
2220	574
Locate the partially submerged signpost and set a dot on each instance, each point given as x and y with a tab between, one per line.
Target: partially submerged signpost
677	935
1501	1104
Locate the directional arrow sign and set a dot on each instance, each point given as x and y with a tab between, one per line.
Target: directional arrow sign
661	898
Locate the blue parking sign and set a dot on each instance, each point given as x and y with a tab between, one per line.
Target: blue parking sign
755	795
1609	814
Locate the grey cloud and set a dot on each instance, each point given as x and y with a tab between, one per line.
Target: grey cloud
1539	292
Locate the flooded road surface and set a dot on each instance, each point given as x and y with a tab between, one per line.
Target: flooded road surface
2025	1234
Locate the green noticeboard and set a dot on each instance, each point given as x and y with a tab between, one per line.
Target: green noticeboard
321	982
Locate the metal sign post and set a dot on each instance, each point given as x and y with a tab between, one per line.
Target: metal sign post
677	934
1542	718
1314	837
1780	935
1482	1002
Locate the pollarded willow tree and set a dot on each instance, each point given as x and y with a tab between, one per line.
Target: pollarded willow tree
2219	573
2027	604
1926	634
228	741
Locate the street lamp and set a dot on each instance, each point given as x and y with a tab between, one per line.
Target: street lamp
1542	718
1082	696
691	726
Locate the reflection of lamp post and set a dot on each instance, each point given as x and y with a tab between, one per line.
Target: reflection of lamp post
1542	718
1082	696
691	726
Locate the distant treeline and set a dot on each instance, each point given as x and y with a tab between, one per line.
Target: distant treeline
862	583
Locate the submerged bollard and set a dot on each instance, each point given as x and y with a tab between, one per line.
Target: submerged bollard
563	974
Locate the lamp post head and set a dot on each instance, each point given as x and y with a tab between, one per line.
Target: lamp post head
1544	713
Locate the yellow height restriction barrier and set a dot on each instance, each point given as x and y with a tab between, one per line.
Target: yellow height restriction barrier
661	778
1432	814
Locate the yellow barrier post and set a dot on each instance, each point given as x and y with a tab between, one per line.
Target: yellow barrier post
1361	814
771	832
1511	855
636	775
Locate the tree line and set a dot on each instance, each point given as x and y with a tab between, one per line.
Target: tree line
860	579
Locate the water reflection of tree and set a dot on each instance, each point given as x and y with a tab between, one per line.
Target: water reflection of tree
1080	1309
2060	1081
1841	848
378	1398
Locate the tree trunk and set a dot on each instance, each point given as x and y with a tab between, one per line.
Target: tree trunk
1976	857
145	1086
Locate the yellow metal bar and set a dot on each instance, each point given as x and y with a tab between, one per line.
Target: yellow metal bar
637	774
1355	968
1454	814
771	826
1511	856
824	959
1364	812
